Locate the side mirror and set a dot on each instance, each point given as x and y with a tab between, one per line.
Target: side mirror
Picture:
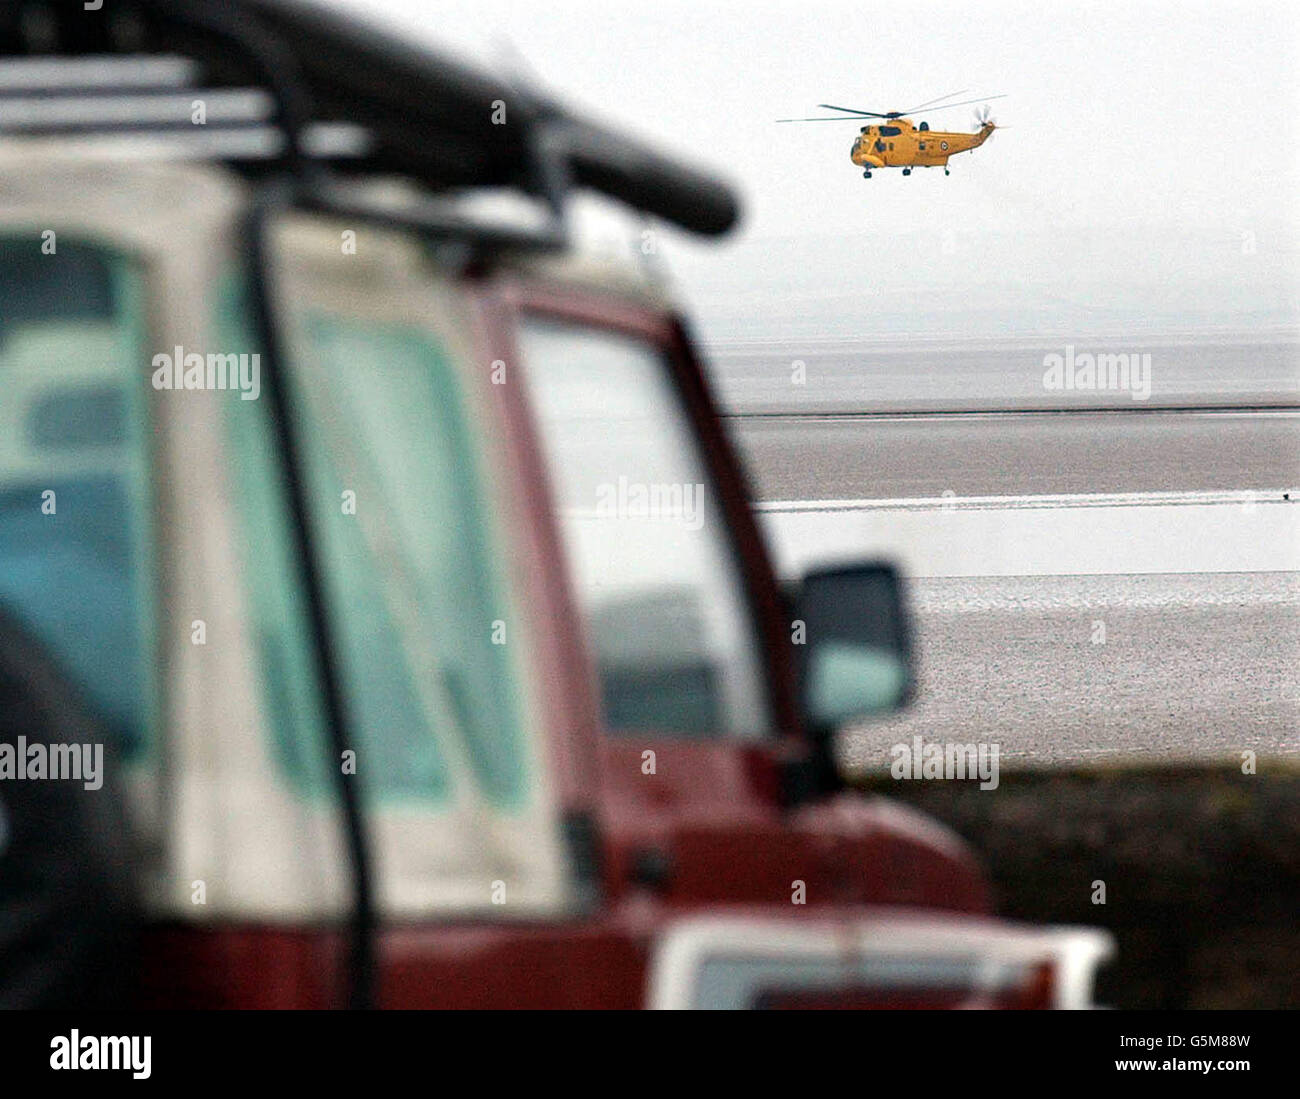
856	660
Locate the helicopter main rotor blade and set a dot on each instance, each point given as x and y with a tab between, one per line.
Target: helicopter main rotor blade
933	101
968	102
852	110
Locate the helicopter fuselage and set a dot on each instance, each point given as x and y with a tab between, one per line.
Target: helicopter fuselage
897	143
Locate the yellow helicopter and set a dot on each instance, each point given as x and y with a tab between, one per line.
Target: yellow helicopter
897	143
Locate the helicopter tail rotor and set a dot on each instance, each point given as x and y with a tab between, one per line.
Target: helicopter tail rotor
984	120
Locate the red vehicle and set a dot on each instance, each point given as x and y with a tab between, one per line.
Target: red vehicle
404	568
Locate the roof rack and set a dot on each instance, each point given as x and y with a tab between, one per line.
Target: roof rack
286	83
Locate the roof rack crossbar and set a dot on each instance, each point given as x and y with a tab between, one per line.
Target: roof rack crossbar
240	145
201	107
95	74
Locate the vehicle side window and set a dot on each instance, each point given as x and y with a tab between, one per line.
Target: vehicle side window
76	564
650	556
412	574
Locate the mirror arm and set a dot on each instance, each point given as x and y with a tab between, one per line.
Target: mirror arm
814	775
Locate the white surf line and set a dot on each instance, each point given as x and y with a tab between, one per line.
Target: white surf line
957	415
1231	497
1089	533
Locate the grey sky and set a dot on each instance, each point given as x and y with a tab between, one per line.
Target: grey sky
1149	177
